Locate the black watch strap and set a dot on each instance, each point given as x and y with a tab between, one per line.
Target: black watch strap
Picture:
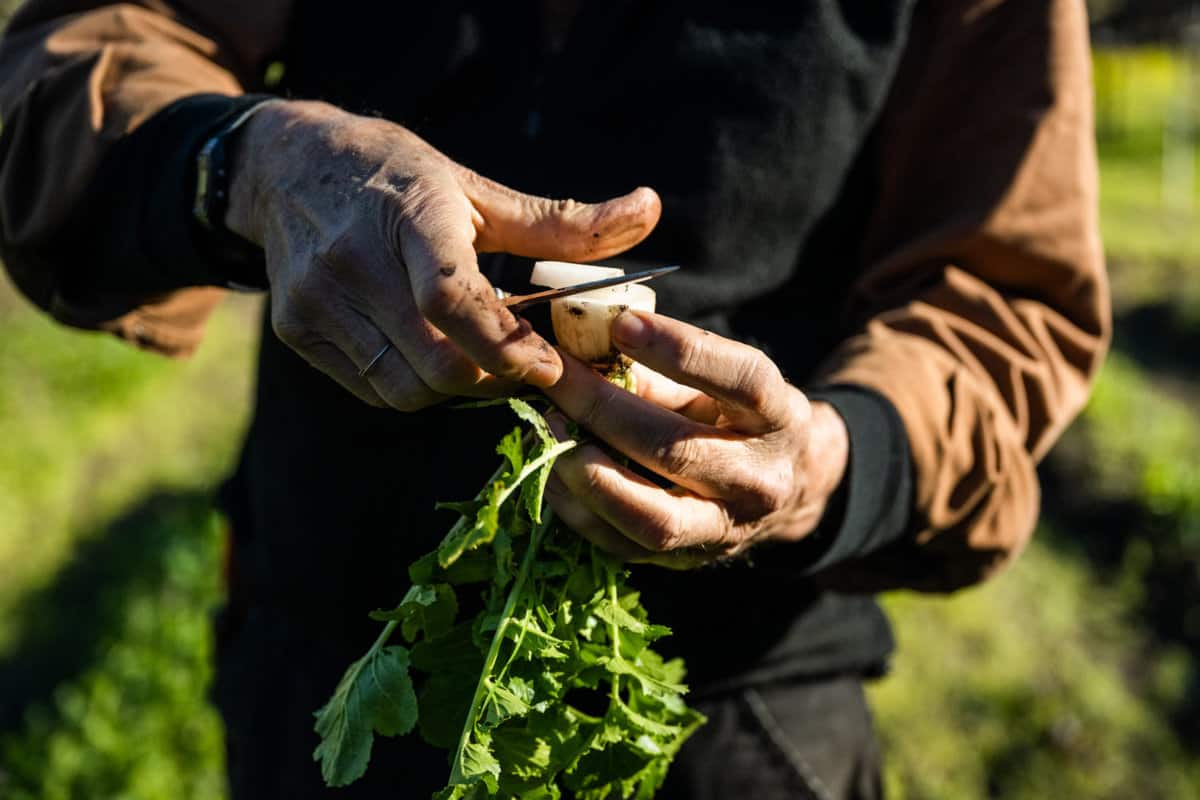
240	262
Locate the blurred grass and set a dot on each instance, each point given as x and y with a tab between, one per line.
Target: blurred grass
1074	675
108	556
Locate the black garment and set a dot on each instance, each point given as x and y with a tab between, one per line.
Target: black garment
792	740
750	120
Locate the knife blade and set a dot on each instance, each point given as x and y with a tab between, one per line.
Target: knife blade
517	302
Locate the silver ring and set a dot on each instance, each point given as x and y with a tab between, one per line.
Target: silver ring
362	372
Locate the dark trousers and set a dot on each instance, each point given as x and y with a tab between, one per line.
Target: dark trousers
801	740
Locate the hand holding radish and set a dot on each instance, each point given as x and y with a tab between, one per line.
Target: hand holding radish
371	238
750	457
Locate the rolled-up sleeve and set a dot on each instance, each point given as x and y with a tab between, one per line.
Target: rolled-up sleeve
100	104
984	310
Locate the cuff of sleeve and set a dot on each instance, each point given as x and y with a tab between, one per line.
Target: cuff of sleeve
872	506
148	237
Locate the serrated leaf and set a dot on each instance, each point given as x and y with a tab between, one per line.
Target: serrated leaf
479	532
530	414
502	702
425	609
375	695
616	615
533	492
650	683
531	638
513	451
478	764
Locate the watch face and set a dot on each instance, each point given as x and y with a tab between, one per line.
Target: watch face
200	208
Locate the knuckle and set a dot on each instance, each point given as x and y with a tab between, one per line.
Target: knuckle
768	492
594	479
288	326
758	381
297	301
566	207
679	455
662	532
692	356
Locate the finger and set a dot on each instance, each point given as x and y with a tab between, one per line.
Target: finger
747	384
538	227
377	361
660	390
435	242
440	364
326	357
580	519
655	519
394	380
707	460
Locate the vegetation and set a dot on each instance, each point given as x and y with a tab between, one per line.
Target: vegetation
1073	675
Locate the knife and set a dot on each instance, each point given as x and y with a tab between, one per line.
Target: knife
518	302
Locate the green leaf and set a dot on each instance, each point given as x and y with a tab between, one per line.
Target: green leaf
375	695
503	702
615	614
487	520
479	532
478	764
452	662
532	639
530	414
428	609
533	492
502	547
510	447
556	619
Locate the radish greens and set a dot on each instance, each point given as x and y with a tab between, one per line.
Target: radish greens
553	686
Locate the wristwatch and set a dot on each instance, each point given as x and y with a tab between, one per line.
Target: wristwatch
240	263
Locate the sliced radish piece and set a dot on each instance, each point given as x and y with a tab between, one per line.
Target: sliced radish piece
557	274
583	322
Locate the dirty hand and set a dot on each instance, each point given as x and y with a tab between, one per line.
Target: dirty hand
749	457
371	238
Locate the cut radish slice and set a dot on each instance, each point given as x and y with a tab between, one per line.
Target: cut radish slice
557	274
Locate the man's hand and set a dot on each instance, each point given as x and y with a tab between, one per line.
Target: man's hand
371	235
750	458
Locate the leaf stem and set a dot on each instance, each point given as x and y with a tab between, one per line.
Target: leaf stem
535	539
614	633
383	637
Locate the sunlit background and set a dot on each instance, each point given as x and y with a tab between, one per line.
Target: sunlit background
1072	676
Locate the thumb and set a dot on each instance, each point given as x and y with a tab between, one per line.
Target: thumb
537	227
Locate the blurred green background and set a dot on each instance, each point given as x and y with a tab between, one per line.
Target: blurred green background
1074	675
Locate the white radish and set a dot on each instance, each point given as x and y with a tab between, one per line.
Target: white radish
583	322
557	274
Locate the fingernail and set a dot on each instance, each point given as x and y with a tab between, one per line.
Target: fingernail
631	330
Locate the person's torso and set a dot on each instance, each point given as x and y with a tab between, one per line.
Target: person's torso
750	121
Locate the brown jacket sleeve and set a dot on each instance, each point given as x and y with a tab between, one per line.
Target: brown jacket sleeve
985	306
77	77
